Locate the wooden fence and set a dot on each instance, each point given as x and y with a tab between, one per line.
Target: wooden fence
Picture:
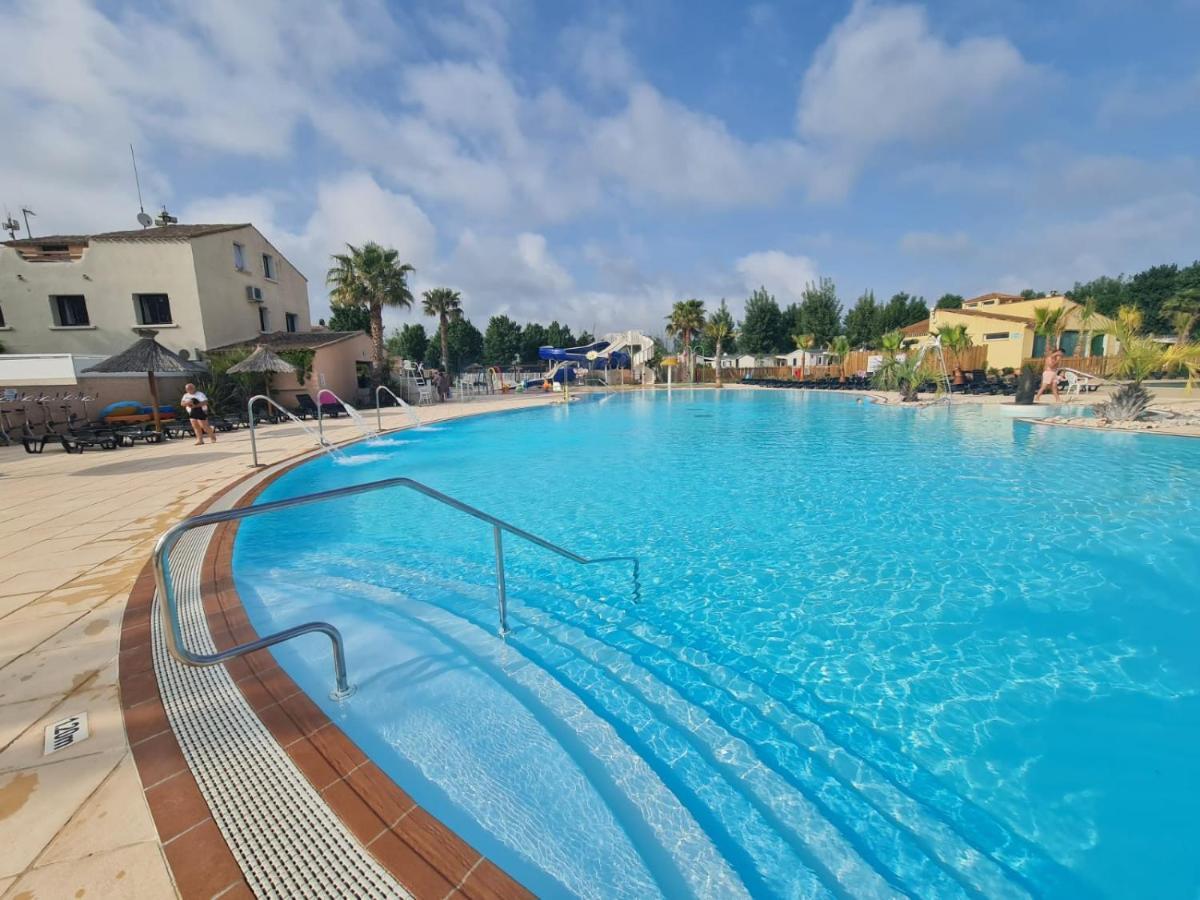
1104	366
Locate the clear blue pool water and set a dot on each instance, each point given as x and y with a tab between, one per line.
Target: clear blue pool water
879	651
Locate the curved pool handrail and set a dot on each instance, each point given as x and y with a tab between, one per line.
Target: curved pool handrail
167	541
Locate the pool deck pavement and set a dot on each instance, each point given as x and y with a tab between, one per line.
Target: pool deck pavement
76	533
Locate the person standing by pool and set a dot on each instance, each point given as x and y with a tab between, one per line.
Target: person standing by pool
1050	375
196	404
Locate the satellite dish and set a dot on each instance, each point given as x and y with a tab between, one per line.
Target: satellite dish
144	219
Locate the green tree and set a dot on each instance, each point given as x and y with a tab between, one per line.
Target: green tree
370	277
955	339
902	310
501	341
447	306
820	311
862	322
719	329
685	320
1050	323
560	336
584	338
1182	308
804	342
1030	294
533	336
350	318
764	329
949	301
465	342
839	348
1149	291
1110	294
409	342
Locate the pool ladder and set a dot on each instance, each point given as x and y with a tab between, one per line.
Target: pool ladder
343	688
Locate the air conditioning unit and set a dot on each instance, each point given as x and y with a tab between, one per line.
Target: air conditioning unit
254	294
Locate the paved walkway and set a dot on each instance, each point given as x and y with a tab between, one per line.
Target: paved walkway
76	532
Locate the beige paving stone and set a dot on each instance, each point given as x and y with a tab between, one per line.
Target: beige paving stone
6	883
53	672
70	599
16	717
115	816
36	803
105	728
136	872
46	580
102	623
20	636
15	602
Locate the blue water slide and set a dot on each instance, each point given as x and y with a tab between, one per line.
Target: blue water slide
604	360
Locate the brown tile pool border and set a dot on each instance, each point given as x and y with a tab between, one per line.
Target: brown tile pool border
421	853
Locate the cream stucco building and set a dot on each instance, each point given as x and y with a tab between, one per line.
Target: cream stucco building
199	286
1004	323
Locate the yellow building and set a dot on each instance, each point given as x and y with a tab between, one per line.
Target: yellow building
1004	323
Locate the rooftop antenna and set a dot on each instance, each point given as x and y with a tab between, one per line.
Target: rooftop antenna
143	217
26	212
165	218
11	225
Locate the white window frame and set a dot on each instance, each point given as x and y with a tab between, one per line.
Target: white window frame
239	256
264	320
290	320
270	269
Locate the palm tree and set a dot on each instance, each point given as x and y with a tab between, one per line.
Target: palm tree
1184	309
370	276
1050	323
804	343
896	374
840	348
447	306
1140	358
955	339
1087	313
719	328
686	318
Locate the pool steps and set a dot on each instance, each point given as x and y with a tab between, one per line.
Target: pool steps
793	782
963	838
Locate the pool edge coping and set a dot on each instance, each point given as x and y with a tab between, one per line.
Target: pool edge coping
360	791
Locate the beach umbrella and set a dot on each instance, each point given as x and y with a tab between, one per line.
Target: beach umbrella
149	356
264	361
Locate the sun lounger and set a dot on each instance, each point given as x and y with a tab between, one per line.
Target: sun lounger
77	443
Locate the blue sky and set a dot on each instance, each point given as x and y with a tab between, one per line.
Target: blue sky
595	162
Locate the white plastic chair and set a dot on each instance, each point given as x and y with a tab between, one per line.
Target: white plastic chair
424	392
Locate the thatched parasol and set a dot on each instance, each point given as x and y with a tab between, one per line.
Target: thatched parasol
264	361
151	357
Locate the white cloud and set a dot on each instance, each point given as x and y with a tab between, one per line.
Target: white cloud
935	243
351	208
598	54
883	76
662	149
780	273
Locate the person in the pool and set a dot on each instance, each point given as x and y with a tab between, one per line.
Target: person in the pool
1050	375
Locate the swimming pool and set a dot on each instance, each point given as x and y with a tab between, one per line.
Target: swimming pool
878	650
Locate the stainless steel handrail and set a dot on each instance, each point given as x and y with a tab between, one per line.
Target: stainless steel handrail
169	538
407	406
250	417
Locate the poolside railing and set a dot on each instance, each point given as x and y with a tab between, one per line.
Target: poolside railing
169	606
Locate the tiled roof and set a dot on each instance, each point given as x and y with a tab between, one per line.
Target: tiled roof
988	314
996	295
158	233
293	340
916	328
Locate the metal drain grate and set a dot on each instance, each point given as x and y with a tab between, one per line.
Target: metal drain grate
283	835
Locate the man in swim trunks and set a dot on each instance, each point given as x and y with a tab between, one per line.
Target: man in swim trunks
1050	375
196	404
